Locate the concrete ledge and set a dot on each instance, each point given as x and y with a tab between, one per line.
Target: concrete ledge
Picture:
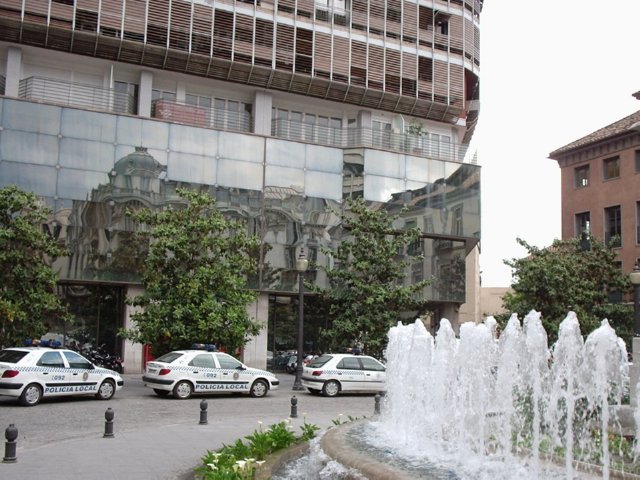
336	445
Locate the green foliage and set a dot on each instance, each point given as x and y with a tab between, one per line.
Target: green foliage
194	277
565	277
238	461
309	431
366	295
27	296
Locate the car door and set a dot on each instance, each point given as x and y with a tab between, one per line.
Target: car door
234	375
374	374
52	373
350	374
82	375
204	373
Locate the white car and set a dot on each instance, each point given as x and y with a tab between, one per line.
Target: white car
185	372
331	374
31	373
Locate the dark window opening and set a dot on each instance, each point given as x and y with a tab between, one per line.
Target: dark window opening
611	168
582	176
613	226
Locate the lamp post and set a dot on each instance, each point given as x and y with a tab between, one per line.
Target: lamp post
635	280
301	266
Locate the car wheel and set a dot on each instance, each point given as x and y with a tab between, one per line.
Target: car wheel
183	390
161	393
259	389
314	391
331	388
31	395
106	391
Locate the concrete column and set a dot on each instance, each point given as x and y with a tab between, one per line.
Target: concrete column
255	352
13	71
262	104
144	93
634	371
132	352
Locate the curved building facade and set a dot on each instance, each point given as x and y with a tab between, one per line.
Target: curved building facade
279	109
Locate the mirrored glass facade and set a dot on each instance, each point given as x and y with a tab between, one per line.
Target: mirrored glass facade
89	167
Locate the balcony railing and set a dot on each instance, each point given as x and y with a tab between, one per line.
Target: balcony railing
419	145
201	116
51	90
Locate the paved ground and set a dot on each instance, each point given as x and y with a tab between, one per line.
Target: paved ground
154	438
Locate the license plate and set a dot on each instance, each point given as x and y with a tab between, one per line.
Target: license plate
153	370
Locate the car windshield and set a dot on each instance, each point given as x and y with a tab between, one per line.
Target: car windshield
12	356
320	361
169	357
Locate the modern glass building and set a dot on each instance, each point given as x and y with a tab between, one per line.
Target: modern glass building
279	109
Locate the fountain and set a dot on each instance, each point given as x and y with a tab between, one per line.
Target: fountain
491	405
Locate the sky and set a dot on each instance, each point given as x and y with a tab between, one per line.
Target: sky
551	72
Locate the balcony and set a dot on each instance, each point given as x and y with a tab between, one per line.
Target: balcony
418	145
61	92
200	116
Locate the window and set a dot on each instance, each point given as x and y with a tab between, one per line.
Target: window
582	223
381	133
611	168
126	97
77	361
613	226
349	363
637	161
204	360
582	176
51	359
456	225
228	362
162	95
371	364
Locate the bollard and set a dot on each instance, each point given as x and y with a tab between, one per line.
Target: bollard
108	424
376	407
203	412
11	434
294	407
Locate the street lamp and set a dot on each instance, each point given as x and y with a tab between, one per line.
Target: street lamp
635	280
301	266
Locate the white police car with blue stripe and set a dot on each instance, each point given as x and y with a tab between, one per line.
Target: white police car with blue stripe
331	374
31	373
185	372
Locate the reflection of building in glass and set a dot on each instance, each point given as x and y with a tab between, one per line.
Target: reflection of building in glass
279	109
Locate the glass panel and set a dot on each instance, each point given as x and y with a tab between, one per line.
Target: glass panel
31	117
323	185
129	131
381	189
86	154
237	146
192	168
26	147
239	174
77	184
389	164
200	141
324	159
286	154
285	177
38	179
155	135
418	168
88	125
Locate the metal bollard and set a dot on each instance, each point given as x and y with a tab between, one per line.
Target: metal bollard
11	434
376	407
203	412
108	424
294	407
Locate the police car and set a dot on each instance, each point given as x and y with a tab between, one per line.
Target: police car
331	374
185	372
31	373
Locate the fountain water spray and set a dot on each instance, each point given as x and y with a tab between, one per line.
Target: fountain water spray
485	405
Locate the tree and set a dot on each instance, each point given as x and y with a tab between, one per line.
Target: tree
27	295
194	278
570	275
366	295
